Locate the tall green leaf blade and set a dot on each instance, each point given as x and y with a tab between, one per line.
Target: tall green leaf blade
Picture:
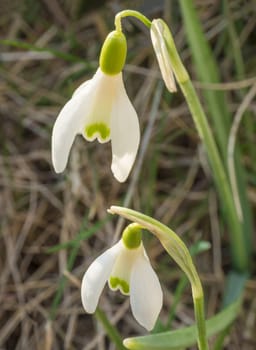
208	72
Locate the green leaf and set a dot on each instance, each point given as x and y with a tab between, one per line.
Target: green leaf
235	284
207	70
234	287
184	337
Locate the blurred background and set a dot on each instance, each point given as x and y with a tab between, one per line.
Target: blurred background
53	226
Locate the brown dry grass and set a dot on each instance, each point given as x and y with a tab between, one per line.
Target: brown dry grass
38	209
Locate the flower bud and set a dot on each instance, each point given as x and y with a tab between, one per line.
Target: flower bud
113	53
159	32
132	236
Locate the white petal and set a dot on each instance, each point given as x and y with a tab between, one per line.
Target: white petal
162	55
125	136
94	80
98	122
145	293
96	276
121	272
80	88
70	122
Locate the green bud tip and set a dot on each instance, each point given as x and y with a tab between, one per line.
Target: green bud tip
132	236
113	53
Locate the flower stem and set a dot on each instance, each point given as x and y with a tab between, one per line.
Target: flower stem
238	248
176	248
200	322
132	13
237	242
198	300
110	329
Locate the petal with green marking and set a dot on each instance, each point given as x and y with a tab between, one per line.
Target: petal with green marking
121	272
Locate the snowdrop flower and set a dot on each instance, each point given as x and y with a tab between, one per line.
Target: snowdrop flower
126	267
100	109
158	30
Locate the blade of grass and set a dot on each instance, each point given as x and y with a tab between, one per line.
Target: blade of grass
234	288
235	53
207	71
82	235
56	53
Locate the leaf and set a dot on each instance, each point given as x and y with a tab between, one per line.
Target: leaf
184	337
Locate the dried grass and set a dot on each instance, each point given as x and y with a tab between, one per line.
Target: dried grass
38	209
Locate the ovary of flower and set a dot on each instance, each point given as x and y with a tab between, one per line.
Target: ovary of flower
99	108
158	41
128	270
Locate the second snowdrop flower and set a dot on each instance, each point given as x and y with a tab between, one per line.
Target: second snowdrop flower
126	267
100	109
158	30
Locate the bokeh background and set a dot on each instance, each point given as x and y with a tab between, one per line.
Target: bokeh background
54	226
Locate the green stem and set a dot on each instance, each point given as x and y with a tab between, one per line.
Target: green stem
110	330
200	322
240	257
178	251
132	13
198	300
238	249
217	106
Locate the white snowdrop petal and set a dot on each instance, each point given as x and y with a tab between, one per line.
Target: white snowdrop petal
162	55
69	122
125	135
121	272
94	82
96	276
98	122
145	293
80	88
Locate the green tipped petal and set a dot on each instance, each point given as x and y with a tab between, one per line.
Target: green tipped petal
113	53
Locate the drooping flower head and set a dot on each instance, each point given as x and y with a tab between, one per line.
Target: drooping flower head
126	267
158	31
100	109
